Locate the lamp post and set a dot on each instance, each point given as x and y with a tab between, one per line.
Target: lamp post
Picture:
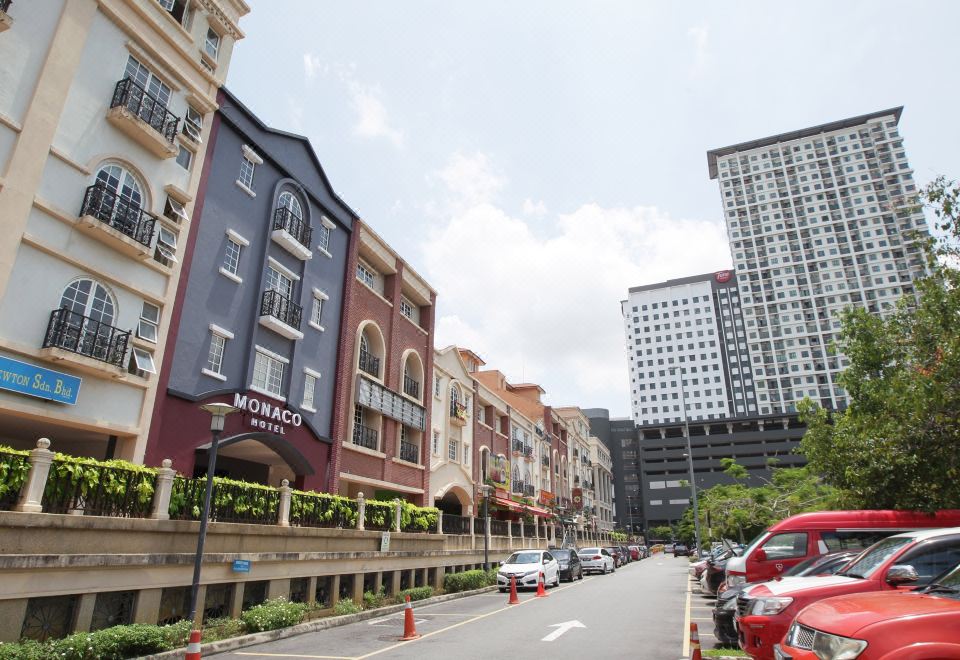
486	488
689	455
218	413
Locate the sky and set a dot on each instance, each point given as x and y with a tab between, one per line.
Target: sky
533	160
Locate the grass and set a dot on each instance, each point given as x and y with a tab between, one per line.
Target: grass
719	653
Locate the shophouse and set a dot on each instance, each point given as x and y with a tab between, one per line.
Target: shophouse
582	492
452	453
601	466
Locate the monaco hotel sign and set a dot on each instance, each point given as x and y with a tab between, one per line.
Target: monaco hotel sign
266	416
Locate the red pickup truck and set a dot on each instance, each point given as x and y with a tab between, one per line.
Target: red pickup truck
903	561
919	625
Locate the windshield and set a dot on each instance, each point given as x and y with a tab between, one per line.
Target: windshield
524	558
590	551
947	584
871	559
561	554
757	540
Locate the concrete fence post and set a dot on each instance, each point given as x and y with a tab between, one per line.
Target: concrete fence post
161	495
440	522
283	513
521	530
31	494
396	517
361	511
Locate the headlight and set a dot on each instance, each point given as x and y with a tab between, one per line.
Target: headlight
834	647
730	604
503	575
533	572
734	580
765	606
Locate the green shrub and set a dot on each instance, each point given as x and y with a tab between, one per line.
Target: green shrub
273	614
223	628
24	650
373	600
417	593
346	607
467	581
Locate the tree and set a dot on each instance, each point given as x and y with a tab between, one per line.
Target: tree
895	445
661	533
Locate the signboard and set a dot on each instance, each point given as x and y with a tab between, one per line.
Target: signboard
377	397
723	276
546	498
578	498
266	416
385	542
241	565
29	379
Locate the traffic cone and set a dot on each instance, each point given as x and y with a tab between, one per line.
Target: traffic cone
694	643
541	592
409	625
193	646
514	600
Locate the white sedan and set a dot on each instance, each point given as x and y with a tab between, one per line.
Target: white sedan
526	566
596	560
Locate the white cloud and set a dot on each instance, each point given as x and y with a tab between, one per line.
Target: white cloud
536	209
547	307
313	65
470	180
700	34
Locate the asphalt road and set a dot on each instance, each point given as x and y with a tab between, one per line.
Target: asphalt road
641	611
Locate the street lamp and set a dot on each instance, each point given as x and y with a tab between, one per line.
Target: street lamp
218	413
689	456
486	488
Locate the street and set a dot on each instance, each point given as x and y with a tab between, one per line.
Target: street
638	612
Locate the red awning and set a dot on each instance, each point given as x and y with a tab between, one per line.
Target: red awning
519	508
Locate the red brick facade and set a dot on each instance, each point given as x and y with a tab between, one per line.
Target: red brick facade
363	307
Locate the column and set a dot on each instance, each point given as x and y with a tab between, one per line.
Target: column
31	493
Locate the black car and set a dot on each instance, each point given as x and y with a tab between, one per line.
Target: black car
617	555
570	568
680	550
724	629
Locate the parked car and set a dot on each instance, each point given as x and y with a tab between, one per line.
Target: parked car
902	561
625	554
526	566
667	548
617	555
597	560
681	550
796	538
635	553
726	606
916	624
569	560
713	577
644	551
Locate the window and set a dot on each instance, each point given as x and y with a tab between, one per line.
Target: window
406	308
452	449
173	210
211	44
246	172
323	237
436	443
231	256
148	81
277	281
149	319
466	454
179	9
267	374
166	252
436	386
193	124
316	312
184	157
215	354
786	546
309	387
365	274
141	362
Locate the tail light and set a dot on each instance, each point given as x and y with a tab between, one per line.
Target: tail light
597	557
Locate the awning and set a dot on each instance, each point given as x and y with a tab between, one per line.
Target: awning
519	508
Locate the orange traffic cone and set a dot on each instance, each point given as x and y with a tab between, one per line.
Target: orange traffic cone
193	646
514	600
694	643
409	625
541	592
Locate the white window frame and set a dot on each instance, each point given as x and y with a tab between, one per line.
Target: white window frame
453	449
212	47
406	307
310	380
282	283
189	157
366	274
316	311
436	442
193	124
177	213
167	245
144	360
149	321
247	170
216	332
273	366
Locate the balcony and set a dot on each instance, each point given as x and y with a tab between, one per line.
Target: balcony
409	452
545	461
143	118
5	21
116	221
369	364
517	446
85	343
518	487
527	451
458	413
411	387
364	436
280	314
292	233
529	490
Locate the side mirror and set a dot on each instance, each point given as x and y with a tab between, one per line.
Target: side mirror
901	574
760	554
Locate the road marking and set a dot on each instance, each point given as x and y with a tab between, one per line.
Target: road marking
296	655
686	627
561	628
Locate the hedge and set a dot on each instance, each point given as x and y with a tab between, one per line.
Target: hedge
468	580
417	593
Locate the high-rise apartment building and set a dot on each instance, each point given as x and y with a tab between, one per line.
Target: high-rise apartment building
818	221
686	342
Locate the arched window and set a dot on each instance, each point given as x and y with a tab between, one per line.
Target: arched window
91	299
84	323
116	180
454	396
290	202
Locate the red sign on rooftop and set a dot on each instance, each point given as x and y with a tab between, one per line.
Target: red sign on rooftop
723	276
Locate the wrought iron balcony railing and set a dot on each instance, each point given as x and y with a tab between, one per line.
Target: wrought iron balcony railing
545	460
411	387
5	6
145	106
119	212
369	364
296	227
517	487
518	446
527	450
85	336
409	452
366	437
275	304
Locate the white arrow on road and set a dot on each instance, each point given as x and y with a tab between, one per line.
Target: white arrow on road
561	628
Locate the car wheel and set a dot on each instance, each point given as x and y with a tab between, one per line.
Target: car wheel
581	573
502	590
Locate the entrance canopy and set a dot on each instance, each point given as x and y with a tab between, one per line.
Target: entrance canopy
520	508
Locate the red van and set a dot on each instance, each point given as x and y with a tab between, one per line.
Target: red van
794	539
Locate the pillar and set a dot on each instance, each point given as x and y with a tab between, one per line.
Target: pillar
279	588
283	513
161	495
84	615
31	494
146	607
361	511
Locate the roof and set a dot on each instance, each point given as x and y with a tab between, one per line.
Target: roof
680	281
713	154
877	519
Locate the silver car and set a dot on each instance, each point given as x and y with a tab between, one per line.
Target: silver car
596	560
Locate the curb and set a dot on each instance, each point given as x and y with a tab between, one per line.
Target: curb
311	626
